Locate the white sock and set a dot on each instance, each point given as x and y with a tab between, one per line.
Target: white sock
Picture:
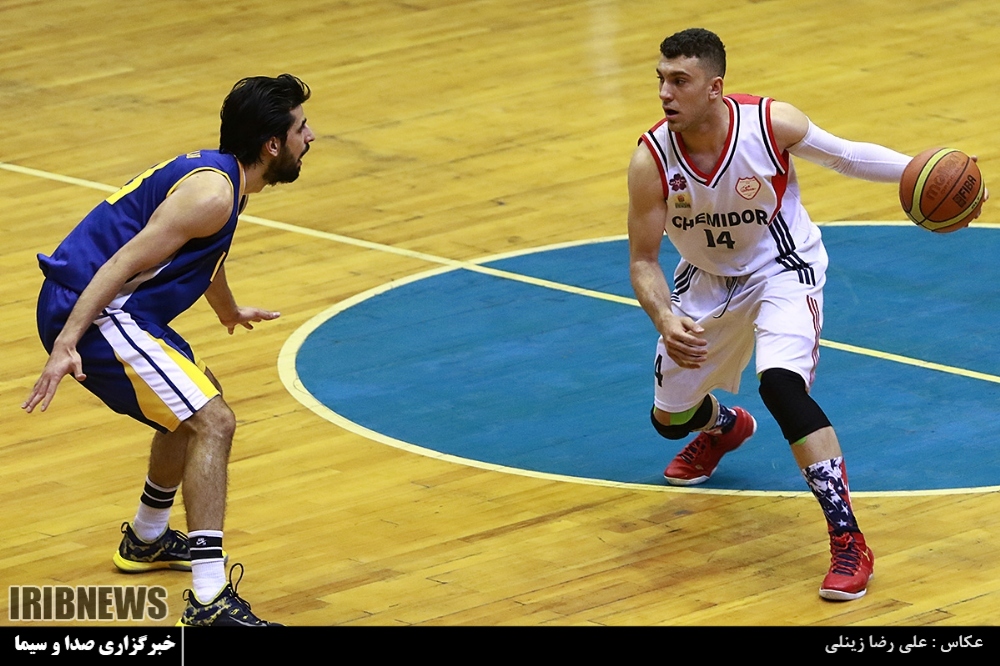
154	511
208	568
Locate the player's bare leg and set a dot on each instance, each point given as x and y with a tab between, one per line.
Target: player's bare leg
168	451
148	542
820	445
205	479
197	453
206	465
213	601
166	457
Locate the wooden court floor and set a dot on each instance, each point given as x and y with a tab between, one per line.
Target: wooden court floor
458	129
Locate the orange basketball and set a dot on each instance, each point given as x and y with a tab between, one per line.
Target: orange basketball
941	189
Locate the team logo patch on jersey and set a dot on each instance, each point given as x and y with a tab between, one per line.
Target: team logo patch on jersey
681	200
678	182
748	187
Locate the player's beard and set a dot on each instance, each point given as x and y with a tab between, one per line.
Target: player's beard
284	168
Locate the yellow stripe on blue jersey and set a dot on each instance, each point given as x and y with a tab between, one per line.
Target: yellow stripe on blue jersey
185	276
133	184
191	173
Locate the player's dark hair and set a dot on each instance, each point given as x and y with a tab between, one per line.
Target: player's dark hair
697	43
256	109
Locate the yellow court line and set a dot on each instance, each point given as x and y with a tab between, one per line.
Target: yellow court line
356	242
476	266
289	375
905	360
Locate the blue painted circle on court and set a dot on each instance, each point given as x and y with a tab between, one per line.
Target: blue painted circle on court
518	375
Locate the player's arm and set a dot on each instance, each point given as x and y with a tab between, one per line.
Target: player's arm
647	212
869	161
221	298
199	207
796	133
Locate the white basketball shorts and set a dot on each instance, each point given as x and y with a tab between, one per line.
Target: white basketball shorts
782	313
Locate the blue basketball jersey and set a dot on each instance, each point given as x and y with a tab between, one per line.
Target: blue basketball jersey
164	291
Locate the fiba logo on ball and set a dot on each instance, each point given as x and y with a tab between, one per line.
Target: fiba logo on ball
968	187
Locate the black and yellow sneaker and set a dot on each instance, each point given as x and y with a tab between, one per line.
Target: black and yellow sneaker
170	551
228	609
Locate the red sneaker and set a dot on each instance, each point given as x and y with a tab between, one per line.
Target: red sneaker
851	567
696	462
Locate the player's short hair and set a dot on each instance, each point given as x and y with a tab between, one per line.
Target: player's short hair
256	109
697	43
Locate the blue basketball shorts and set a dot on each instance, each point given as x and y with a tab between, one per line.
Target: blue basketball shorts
135	367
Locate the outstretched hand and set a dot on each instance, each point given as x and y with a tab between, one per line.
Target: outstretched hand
61	362
246	315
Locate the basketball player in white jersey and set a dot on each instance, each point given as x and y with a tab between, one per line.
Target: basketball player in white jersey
716	176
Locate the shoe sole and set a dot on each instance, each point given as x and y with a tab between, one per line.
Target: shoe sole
128	566
674	481
132	567
840	595
181	623
677	481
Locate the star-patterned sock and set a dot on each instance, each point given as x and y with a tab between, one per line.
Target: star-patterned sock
828	481
724	422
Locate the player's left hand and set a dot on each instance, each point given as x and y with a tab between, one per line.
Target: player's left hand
244	316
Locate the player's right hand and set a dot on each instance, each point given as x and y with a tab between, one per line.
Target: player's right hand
684	347
61	362
986	193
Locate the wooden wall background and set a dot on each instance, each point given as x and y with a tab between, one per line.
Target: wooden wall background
458	128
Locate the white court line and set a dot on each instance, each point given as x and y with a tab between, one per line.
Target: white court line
286	364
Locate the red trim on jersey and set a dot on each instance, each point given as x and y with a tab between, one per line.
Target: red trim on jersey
726	147
779	182
814	309
657	125
656	158
769	130
741	98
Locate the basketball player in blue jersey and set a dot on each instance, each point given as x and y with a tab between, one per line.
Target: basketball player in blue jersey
111	289
716	176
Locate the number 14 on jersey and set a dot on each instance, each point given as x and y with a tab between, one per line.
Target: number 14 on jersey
724	238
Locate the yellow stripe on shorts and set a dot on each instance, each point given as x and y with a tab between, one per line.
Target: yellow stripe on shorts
152	405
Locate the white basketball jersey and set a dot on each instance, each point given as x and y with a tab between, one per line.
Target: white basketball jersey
746	215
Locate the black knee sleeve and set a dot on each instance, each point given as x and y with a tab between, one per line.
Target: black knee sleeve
784	395
669	431
682	430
